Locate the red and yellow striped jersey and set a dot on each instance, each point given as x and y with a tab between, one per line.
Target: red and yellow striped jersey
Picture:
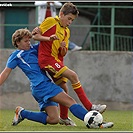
48	49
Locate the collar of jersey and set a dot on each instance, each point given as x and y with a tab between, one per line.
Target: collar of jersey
57	18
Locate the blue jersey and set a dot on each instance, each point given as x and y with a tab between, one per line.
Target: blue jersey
27	60
42	86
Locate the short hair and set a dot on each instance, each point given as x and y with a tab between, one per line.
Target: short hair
19	34
69	7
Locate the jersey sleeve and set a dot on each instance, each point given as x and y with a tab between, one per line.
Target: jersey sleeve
47	24
11	62
36	46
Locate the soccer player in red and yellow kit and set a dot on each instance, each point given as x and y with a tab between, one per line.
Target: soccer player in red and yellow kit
54	39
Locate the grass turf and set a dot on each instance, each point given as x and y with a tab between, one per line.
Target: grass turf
123	121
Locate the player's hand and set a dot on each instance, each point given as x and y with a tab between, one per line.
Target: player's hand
53	37
63	44
36	30
63	49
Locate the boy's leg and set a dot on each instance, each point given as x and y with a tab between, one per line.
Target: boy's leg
79	90
60	81
78	111
64	119
21	114
82	96
50	117
63	109
85	101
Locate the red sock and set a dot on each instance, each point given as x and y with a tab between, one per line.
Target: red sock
63	112
82	96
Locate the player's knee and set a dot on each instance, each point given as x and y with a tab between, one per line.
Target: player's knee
74	77
53	120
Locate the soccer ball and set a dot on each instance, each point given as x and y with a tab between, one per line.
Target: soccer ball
93	119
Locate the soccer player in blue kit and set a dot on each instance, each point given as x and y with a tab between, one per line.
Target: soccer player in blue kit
45	92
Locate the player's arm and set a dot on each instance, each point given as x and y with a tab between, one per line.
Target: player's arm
4	75
37	35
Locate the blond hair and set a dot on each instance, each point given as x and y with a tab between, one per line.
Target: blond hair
19	34
69	7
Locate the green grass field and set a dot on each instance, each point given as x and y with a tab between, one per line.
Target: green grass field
122	122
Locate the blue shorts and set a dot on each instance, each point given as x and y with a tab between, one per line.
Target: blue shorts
43	92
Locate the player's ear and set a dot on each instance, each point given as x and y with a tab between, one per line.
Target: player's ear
61	14
17	43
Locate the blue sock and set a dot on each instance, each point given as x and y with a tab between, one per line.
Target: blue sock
34	116
78	111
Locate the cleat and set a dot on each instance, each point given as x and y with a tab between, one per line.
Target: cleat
99	108
17	117
67	122
107	125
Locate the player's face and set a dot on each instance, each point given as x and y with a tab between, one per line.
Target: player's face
24	44
66	20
